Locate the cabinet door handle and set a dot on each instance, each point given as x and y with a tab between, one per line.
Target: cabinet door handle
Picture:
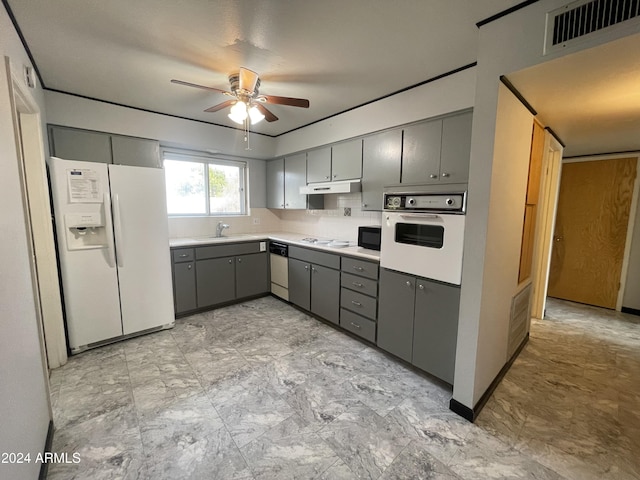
354	325
364	205
420	286
230	261
306	267
408	284
313	269
335	176
445	175
183	255
433	175
358	269
356	284
189	266
239	260
282	204
327	177
357	304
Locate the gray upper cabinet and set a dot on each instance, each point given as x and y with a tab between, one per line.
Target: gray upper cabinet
88	146
295	176
456	148
346	160
75	144
395	313
285	176
319	165
435	329
381	157
275	183
136	152
421	153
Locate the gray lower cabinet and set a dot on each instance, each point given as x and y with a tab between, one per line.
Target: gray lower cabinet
418	322
216	281
300	283
381	158
314	282
435	328
395	313
325	293
252	275
184	281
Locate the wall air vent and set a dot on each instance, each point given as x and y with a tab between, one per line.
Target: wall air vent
582	18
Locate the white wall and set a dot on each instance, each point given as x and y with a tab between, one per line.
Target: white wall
507	45
449	94
24	403
78	112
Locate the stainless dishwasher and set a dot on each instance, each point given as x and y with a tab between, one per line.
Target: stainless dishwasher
279	253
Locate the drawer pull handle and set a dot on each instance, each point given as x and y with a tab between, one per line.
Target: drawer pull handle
354	325
359	285
357	304
183	255
359	269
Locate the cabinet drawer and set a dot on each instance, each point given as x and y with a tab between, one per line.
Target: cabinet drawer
227	250
359	303
359	325
182	255
359	284
360	267
314	256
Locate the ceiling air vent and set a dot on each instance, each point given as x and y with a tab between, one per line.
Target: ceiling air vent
583	17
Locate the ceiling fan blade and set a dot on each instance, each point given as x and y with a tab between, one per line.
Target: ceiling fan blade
268	116
248	80
293	102
220	106
180	82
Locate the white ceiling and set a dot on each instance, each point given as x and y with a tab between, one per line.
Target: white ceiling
337	53
591	99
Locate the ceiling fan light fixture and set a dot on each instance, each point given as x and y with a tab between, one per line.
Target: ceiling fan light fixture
238	112
255	115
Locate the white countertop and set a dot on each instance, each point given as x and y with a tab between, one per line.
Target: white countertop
285	237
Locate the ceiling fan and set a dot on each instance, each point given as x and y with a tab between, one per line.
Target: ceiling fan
247	103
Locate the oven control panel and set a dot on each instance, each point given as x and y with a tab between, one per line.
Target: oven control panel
453	203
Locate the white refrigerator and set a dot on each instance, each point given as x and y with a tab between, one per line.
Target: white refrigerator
113	247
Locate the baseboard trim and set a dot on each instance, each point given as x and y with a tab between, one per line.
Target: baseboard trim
632	311
44	467
472	413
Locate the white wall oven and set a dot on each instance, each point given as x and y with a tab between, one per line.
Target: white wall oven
423	231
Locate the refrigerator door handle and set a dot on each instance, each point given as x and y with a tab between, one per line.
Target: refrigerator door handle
118	231
111	250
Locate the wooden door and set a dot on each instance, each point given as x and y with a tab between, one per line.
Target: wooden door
591	228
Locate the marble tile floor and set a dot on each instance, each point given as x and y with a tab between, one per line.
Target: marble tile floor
260	390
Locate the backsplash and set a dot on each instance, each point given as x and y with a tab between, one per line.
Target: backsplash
331	222
185	227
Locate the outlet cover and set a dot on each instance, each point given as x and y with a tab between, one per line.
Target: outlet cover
256	220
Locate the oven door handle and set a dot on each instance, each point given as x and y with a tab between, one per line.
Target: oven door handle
419	215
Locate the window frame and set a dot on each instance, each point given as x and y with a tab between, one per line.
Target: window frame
205	160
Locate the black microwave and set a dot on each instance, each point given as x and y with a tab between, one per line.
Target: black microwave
370	237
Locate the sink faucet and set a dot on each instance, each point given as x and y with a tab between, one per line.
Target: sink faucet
221	226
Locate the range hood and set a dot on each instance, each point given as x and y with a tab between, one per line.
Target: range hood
342	186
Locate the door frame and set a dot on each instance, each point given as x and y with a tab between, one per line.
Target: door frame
632	213
27	124
543	242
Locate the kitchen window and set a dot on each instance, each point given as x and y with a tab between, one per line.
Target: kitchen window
200	185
